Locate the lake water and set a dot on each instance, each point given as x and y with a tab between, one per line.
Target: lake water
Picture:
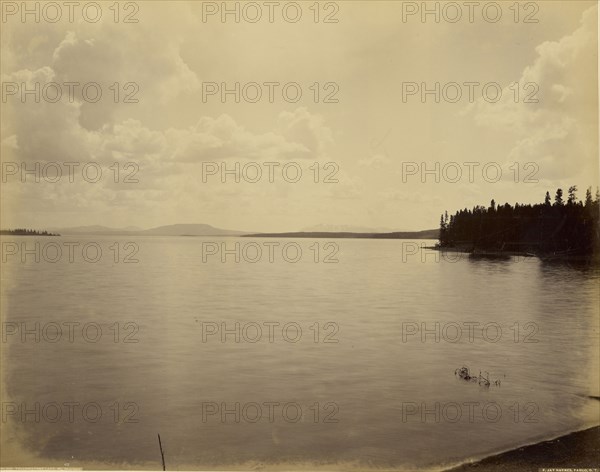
358	387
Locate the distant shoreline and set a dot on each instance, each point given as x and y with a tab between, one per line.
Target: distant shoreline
18	232
426	234
577	449
506	254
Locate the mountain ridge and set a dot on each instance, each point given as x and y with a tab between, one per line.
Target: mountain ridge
180	229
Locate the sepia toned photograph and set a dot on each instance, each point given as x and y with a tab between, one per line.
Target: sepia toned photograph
312	235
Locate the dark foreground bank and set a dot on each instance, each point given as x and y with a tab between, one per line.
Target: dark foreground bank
576	450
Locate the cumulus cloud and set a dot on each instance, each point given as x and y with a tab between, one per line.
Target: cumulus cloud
306	129
169	161
114	56
73	129
553	122
223	138
43	130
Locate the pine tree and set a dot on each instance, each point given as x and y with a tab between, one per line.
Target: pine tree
588	197
558	198
572	199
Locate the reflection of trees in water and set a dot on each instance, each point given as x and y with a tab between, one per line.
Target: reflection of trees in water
585	265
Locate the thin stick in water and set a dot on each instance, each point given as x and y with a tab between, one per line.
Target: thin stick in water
162	455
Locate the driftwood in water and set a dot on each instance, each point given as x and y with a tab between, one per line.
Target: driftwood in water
465	374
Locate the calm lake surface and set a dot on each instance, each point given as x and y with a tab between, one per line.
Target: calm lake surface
358	387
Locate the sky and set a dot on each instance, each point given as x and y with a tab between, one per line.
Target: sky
358	148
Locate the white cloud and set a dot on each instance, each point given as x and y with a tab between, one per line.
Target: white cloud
560	132
306	129
222	138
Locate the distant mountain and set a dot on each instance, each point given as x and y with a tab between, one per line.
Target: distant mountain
322	228
191	230
169	230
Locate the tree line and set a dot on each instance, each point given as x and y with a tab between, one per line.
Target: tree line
555	226
27	232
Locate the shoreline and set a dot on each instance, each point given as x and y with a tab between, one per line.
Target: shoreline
578	449
506	254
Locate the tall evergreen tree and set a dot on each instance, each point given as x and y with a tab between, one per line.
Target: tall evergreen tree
588	197
558	198
572	199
